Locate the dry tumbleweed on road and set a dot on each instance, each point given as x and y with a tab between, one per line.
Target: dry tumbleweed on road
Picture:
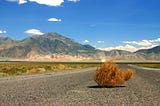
110	74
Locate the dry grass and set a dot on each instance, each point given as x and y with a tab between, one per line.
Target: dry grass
110	74
20	68
151	65
36	71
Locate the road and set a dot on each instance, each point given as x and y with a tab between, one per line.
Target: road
77	88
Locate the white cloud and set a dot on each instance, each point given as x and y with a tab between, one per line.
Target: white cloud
22	1
34	32
133	46
143	42
49	2
2	31
140	43
126	47
148	47
54	20
100	41
86	41
155	40
44	2
74	1
18	1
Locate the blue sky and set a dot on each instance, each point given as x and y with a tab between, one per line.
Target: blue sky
106	24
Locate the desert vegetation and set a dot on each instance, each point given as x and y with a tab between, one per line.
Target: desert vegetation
20	68
110	74
157	65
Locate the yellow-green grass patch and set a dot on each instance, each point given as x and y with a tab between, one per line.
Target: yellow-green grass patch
24	68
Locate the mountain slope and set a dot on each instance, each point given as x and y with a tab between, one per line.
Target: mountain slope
48	44
6	40
54	44
148	51
123	55
150	54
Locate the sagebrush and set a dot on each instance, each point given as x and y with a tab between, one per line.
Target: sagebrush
110	74
22	68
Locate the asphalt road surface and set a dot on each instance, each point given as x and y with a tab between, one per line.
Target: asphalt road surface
77	88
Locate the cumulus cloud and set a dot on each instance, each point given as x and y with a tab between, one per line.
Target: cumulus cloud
49	2
155	40
74	1
44	2
148	47
34	32
100	41
140	43
86	41
144	42
18	1
133	46
22	1
2	31
54	20
126	47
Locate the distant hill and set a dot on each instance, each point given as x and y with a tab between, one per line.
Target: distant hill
54	45
143	54
150	54
6	40
47	44
148	51
124	55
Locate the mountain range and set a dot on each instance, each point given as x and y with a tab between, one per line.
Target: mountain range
55	46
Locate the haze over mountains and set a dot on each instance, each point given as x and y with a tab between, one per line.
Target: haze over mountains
53	46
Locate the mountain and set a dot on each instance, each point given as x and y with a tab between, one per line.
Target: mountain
148	51
6	40
150	54
141	55
47	44
123	55
53	46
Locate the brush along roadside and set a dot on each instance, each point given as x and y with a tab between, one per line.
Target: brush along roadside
110	75
25	68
